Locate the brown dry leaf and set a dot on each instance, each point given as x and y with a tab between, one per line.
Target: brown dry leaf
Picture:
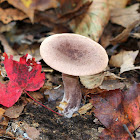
126	16
32	132
7	27
10	14
84	109
135	35
115	4
14	111
3	120
1	112
58	17
36	95
73	6
112	85
94	81
92	23
122	37
125	60
29	6
1	1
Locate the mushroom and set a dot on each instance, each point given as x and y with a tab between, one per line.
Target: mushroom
74	55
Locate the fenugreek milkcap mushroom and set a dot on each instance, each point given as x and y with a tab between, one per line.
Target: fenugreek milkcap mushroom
74	55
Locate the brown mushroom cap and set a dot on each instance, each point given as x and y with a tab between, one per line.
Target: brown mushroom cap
73	54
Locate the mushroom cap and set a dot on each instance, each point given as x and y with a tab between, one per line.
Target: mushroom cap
73	54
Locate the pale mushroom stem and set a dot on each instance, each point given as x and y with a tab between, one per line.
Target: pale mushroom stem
72	95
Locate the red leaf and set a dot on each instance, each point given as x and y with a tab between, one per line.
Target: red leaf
132	105
24	75
116	108
9	93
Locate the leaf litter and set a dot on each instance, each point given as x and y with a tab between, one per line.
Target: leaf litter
56	20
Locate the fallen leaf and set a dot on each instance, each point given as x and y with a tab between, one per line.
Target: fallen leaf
32	132
29	6
115	4
7	27
112	85
138	133
3	120
14	111
10	93
122	37
94	81
84	109
37	96
24	75
135	35
115	108
120	16
125	60
10	14
92	23
1	113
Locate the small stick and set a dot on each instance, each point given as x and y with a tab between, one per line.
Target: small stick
127	130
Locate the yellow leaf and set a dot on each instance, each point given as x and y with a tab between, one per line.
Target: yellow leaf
27	3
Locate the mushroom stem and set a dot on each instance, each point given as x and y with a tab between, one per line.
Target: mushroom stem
72	95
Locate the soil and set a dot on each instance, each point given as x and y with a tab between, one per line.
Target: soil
52	126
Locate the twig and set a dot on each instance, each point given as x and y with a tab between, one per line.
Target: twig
127	130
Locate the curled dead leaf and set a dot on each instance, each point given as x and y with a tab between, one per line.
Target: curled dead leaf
125	60
122	37
92	23
14	111
94	81
29	6
10	14
115	4
120	16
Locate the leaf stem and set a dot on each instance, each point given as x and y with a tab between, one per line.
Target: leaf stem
41	104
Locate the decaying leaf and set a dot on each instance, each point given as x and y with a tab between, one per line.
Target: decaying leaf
125	60
32	132
135	35
126	16
115	108
84	109
10	14
1	112
92	23
7	27
29	6
122	37
14	111
112	85
3	120
93	81
115	4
